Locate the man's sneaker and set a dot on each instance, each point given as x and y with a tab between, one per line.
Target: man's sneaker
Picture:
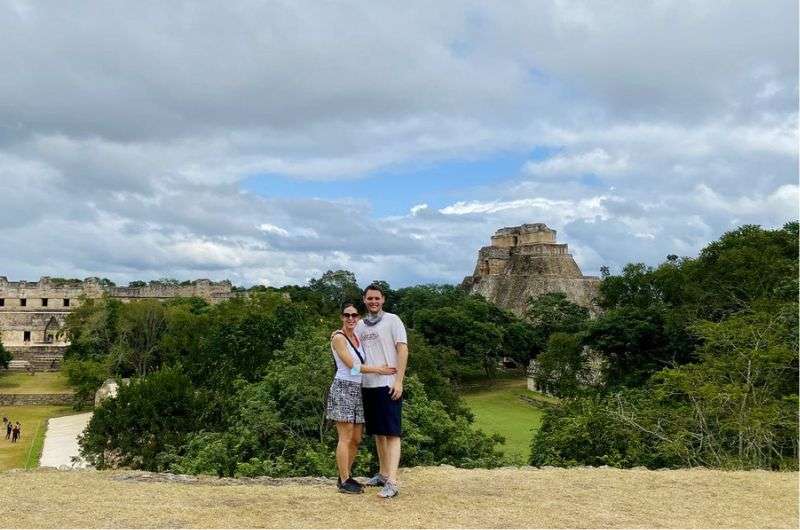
389	490
355	483
347	487
377	481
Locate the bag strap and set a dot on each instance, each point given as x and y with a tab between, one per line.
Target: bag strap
360	355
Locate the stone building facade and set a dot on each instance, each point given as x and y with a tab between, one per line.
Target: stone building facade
526	261
32	313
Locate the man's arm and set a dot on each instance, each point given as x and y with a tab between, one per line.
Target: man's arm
402	362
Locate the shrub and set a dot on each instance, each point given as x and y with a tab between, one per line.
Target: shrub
144	424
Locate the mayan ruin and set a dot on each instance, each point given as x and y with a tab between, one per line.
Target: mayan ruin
32	313
524	262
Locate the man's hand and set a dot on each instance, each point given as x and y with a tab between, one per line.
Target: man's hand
396	391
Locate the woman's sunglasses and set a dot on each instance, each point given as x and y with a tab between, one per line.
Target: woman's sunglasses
350	315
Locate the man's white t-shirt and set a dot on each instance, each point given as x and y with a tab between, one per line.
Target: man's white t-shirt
378	345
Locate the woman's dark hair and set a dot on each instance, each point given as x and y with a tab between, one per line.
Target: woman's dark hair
349	304
374	287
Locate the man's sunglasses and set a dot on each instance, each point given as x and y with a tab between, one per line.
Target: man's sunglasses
350	315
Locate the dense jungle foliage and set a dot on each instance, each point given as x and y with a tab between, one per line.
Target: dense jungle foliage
5	357
238	388
693	362
700	361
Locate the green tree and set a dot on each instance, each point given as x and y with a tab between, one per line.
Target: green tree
436	368
737	407
336	288
521	342
276	425
91	328
551	313
141	328
144	424
634	342
478	343
5	356
238	339
411	299
744	266
559	368
85	376
584	431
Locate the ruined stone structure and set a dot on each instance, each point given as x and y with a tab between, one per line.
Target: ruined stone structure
525	261
31	313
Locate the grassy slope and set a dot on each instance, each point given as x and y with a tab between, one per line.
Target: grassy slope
33	420
40	383
499	409
430	497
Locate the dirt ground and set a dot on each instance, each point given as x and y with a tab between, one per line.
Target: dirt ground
430	497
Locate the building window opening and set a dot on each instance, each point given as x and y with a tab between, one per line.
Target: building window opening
44	302
23	302
66	302
2	302
26	336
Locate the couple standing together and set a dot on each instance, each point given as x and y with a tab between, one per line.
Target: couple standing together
371	356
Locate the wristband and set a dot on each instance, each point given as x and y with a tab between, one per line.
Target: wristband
355	370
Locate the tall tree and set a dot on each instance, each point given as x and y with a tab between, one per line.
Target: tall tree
5	357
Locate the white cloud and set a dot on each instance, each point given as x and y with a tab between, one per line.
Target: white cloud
125	159
596	161
272	229
585	208
417	208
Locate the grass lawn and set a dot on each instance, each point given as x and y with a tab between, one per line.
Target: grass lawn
33	419
498	408
39	383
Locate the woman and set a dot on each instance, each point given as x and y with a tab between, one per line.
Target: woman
344	397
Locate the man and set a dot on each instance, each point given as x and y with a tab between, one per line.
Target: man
383	340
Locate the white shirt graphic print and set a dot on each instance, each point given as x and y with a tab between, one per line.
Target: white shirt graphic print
378	345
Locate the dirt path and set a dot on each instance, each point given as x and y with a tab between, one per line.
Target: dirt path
430	497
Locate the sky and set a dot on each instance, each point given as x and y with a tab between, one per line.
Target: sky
269	142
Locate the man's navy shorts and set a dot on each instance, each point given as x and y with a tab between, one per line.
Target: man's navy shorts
381	413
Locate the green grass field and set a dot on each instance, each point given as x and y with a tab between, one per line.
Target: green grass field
39	383
33	419
498	408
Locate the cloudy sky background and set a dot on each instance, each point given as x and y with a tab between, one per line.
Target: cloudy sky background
267	142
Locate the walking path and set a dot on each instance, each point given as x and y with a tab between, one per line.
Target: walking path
61	441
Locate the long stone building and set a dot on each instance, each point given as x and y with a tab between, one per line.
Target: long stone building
526	261
32	313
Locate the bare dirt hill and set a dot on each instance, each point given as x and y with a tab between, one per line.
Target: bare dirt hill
430	497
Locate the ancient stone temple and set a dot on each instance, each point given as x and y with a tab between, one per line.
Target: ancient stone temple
32	313
526	261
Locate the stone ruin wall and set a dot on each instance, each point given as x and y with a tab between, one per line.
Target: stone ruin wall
526	261
31	313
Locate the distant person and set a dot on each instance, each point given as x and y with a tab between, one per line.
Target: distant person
9	428
383	337
345	405
15	433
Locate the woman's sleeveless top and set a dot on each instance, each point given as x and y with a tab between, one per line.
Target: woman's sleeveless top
342	371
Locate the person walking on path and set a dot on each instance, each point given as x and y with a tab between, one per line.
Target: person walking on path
15	433
383	338
9	428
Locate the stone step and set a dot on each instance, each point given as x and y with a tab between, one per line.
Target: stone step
46	365
18	366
